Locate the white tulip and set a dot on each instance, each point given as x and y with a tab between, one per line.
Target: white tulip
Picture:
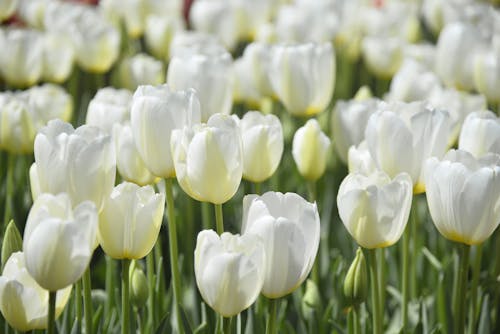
303	76
359	160
79	162
187	43
401	136
58	57
208	159
375	208
108	107
310	149
262	138
18	124
210	75
156	112
463	195
59	240
24	303
131	13
128	160
229	270
480	134
259	56
21	59
412	82
289	227
49	102
349	121
130	221
244	89
458	39
487	75
32	12
160	30
140	69
382	55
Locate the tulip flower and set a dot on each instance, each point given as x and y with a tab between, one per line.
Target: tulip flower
159	32
416	133
464	195
359	160
487	74
21	61
210	75
303	76
375	208
458	104
262	137
79	162
17	124
480	134
59	240
289	227
349	121
49	102
58	57
128	160
96	42
463	39
186	43
229	270
208	159
23	302
382	55
156	112
244	89
413	82
108	107
259	56
130	13
309	149
140	69
130	221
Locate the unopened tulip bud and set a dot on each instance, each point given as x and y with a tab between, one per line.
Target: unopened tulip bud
138	287
12	242
356	280
311	300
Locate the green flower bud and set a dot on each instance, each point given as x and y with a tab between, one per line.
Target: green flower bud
311	300
363	93
12	242
356	280
138	287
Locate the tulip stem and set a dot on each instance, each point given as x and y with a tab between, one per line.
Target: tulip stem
473	293
226	325
174	265
257	187
150	268
11	158
51	320
87	300
382	276
78	302
125	297
109	285
205	215
405	278
376	309
219	219
271	323
461	290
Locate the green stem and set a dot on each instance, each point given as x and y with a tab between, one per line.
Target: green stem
226	325
357	324
271	323
87	300
9	190
405	278
382	277
206	216
174	265
257	187
51	319
376	311
311	190
109	285
219	219
78	302
475	282
125	297
459	316
150	268
350	321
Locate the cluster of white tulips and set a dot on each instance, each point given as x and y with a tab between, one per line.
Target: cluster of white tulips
270	141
